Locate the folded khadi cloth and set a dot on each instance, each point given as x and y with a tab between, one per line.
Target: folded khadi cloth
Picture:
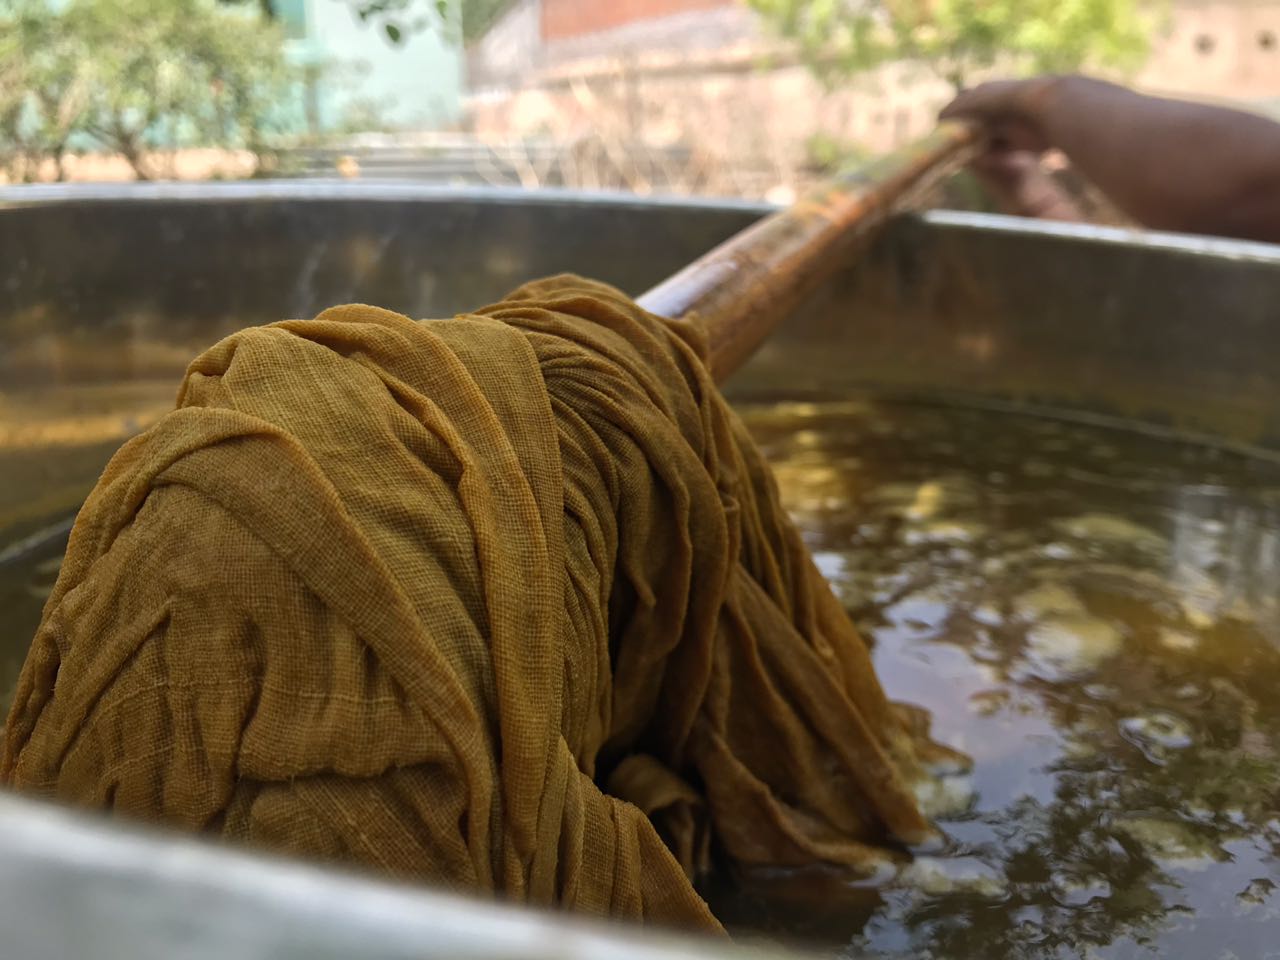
504	602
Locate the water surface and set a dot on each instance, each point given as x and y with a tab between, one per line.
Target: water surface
1093	616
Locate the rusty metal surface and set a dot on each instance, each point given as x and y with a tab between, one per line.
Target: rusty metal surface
740	291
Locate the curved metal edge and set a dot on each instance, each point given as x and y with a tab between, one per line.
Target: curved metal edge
387	191
1116	236
76	886
391	191
740	291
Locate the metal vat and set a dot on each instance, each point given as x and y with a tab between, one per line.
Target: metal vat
108	289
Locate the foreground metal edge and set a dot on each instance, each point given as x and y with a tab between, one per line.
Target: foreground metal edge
73	886
367	190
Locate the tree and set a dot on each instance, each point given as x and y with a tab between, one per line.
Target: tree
177	72
956	38
45	84
133	75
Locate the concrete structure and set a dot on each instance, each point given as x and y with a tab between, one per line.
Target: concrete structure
363	80
707	74
1220	48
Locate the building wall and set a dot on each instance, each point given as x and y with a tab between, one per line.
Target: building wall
719	31
516	49
1211	48
695	78
562	19
732	116
414	84
1219	48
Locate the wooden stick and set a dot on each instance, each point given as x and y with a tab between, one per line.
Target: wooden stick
740	291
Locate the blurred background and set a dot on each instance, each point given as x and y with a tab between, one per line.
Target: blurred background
747	98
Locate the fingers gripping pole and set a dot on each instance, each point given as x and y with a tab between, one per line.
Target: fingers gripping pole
740	291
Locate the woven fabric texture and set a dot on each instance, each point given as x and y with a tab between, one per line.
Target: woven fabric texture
504	602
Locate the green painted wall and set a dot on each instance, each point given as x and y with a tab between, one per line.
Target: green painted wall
366	81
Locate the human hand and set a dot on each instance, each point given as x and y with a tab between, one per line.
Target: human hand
1012	113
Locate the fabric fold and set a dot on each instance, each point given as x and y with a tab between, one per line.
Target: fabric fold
505	602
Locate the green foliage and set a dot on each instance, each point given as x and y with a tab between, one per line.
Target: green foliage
955	38
131	75
825	153
45	86
479	15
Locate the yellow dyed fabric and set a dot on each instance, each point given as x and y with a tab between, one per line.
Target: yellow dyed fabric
504	602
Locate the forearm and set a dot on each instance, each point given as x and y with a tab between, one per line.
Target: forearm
1169	164
1029	191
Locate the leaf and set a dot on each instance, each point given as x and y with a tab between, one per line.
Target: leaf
394	32
442	8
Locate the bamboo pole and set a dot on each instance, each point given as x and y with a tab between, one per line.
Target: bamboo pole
743	289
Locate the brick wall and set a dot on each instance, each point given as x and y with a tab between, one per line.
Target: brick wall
1219	48
562	19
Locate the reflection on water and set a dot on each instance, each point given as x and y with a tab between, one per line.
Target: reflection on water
54	442
25	584
1092	616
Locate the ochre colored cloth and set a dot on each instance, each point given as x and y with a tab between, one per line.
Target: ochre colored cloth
505	602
